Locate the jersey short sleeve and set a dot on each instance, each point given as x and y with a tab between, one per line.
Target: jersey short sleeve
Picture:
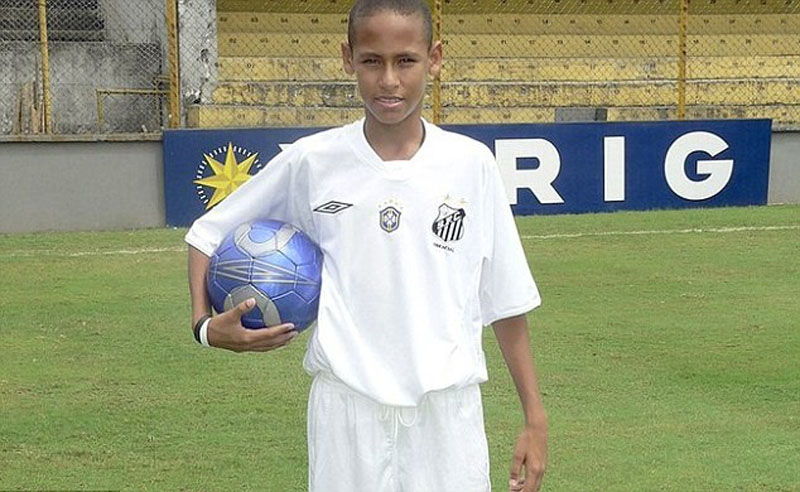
507	287
278	192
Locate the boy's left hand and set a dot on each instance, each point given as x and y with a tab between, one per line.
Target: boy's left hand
530	455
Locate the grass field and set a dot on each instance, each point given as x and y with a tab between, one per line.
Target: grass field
668	349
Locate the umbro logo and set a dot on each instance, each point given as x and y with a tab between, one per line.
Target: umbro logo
332	207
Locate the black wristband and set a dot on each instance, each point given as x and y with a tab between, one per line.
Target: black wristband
197	326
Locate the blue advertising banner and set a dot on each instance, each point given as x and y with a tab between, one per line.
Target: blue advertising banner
202	167
546	168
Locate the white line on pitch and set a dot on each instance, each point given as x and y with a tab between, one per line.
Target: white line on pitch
65	254
664	231
179	249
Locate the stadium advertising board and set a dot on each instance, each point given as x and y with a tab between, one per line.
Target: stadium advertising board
546	168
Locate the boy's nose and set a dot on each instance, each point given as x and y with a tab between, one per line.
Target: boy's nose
389	78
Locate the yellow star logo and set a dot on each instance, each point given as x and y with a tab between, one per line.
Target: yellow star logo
227	177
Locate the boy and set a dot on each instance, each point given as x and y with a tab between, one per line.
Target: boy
420	252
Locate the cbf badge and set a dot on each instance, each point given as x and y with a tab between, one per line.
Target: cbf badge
449	224
224	177
390	216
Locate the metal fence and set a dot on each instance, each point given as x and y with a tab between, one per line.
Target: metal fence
114	66
82	66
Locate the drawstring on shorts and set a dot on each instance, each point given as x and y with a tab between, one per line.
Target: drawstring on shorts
397	416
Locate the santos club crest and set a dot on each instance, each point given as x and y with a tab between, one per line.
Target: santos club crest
449	224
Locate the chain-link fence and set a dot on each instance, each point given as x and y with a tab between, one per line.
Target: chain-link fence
271	63
743	60
82	66
115	66
275	63
516	60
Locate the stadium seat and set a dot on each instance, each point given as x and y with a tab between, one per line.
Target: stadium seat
279	63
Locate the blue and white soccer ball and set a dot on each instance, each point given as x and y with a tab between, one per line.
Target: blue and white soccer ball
276	264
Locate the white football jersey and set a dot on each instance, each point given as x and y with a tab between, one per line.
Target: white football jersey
419	255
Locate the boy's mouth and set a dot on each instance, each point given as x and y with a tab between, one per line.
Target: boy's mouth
389	101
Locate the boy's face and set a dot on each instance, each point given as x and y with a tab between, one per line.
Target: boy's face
391	59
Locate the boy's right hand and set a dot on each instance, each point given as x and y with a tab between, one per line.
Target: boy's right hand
226	331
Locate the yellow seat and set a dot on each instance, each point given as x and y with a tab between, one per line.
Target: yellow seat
280	22
518	61
284	6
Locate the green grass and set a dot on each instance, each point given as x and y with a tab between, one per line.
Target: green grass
668	361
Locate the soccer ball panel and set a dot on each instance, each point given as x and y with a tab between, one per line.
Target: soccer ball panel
301	250
264	238
308	281
298	310
272	262
263	314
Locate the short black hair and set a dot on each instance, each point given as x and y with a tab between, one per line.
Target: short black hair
367	8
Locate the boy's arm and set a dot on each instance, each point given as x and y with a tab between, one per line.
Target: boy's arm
198	266
530	451
225	330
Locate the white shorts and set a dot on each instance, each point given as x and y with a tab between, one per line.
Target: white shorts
355	444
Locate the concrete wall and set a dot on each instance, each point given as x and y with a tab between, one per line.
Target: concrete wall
82	68
81	186
135	22
128	51
197	28
120	185
784	177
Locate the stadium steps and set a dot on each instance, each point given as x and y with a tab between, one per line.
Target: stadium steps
613	6
283	6
256	69
201	116
786	116
243	116
288	22
619	24
628	93
328	45
522	24
512	61
526	6
524	94
618	69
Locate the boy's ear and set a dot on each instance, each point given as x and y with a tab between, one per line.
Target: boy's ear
435	57
347	58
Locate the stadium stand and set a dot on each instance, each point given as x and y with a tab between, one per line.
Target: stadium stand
280	65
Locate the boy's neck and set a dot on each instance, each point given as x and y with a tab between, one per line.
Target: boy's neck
395	142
